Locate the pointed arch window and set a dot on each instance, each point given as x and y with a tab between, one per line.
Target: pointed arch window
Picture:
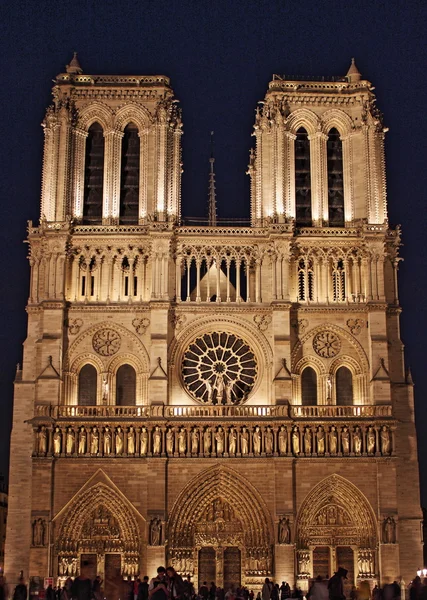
302	179
87	386
338	281
126	386
344	387
305	280
335	179
129	179
94	175
309	387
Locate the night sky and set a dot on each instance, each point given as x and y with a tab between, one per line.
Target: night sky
220	57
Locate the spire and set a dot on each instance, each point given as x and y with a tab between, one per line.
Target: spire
212	193
74	66
353	73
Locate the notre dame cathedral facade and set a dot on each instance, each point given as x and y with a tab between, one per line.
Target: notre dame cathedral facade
231	400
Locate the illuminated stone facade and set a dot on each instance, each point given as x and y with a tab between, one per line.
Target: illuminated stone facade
230	400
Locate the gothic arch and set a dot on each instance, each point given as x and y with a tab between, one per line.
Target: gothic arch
310	361
356	525
132	113
303	117
96	112
338	119
220	483
345	361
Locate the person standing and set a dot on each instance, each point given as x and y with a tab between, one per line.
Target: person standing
143	589
336	584
175	584
20	592
318	590
204	591
188	588
157	590
81	588
266	589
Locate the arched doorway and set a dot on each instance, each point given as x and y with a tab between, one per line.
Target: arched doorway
101	530
335	528
220	530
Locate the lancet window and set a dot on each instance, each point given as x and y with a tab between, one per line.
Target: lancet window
344	387
302	179
126	386
305	280
335	179
87	385
309	387
129	179
94	175
338	281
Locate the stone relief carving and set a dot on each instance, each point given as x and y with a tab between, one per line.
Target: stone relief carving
155	532
262	322
300	325
38	532
284	531
326	344
141	325
74	326
389	530
355	325
106	342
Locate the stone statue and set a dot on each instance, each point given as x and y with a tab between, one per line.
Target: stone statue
228	389
207	441
345	440
385	440
284	535
283	440
82	441
219	437
119	440
57	441
220	388
195	441
130	438
94	443
38	526
357	441
232	441
42	441
107	441
333	442
169	440
182	441
328	389
244	441
307	441
389	528
295	441
370	440
155	532
105	388
268	441
257	440
143	441
320	435
157	440
209	389
70	441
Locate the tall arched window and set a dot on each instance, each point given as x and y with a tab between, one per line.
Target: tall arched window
344	387
338	281
126	386
87	386
309	387
129	179
302	179
94	175
305	280
335	180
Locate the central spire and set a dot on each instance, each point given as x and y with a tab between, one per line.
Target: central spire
212	192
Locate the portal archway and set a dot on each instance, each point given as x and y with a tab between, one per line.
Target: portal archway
222	511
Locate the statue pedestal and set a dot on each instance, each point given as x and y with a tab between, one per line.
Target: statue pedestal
284	563
155	558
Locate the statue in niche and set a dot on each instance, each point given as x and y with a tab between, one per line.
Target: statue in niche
157	440
370	440
39	529
209	389
295	441
143	441
385	440
82	441
283	440
105	388
155	532
257	440
220	388
389	530
219	437
195	441
333	440
70	441
207	440
169	440
328	389
42	441
182	441
107	441
284	534
130	438
228	390
320	435
119	440
357	441
57	441
345	440
268	441
307	441
244	441
94	442
232	441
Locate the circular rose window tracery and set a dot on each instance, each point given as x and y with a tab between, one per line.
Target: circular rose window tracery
219	368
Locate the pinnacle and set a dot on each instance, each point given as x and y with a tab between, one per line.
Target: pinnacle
74	66
353	74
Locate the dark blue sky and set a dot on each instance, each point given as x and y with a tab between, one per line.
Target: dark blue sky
220	57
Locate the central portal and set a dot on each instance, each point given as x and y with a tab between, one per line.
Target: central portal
207	565
222	566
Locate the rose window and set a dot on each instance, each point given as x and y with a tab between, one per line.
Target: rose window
326	344
219	368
